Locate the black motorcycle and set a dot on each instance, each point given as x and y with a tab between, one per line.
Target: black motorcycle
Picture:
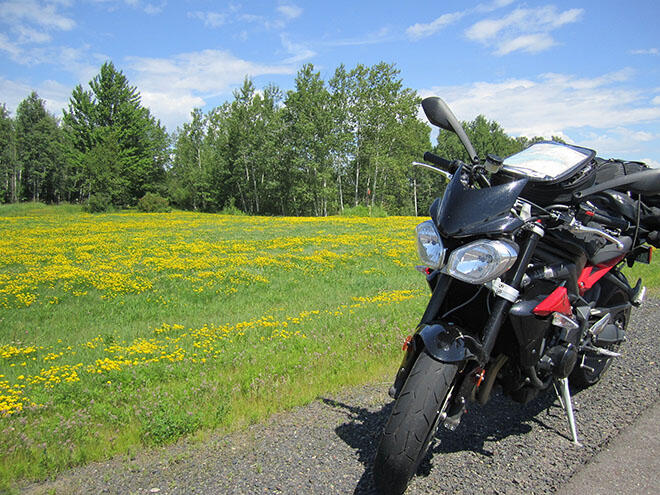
523	256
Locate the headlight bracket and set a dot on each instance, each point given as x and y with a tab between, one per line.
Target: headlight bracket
503	290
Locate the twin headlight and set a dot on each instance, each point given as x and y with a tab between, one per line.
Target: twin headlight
476	263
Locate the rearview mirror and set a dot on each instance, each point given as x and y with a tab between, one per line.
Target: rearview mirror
439	114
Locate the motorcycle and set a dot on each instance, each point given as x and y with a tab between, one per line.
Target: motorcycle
524	259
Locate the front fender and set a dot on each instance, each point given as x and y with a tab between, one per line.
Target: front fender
442	341
448	343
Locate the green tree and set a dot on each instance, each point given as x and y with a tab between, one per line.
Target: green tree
191	170
9	169
252	147
309	129
38	151
109	118
380	121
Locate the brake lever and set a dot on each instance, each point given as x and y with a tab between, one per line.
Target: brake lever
575	226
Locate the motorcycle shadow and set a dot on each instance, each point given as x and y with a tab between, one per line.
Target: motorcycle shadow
494	421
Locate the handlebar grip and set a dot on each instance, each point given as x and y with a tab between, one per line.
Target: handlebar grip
617	223
443	163
588	215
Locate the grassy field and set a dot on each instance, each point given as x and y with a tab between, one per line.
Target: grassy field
128	330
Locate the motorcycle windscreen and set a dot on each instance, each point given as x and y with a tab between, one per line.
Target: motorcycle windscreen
464	211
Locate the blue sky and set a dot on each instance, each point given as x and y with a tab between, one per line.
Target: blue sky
587	70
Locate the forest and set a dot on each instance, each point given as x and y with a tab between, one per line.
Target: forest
316	150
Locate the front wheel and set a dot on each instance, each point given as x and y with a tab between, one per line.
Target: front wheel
412	424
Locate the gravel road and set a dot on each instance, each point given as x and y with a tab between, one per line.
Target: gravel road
327	447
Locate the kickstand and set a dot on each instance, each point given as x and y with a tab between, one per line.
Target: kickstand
564	395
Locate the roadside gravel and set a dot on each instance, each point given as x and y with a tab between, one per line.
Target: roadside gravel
327	447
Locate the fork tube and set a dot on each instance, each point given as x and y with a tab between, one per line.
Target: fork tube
502	306
437	298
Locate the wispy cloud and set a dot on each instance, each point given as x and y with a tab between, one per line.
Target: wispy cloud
210	19
299	52
9	47
523	29
424	30
532	43
234	14
373	38
646	51
35	13
147	7
491	6
420	30
290	11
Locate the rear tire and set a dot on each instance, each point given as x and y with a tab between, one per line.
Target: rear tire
583	377
412	424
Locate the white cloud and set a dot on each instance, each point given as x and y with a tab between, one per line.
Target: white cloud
522	29
531	43
153	9
147	8
290	11
171	110
29	35
298	52
172	87
233	14
494	5
424	30
619	141
210	19
30	11
420	30
55	95
646	51
7	46
379	36
564	105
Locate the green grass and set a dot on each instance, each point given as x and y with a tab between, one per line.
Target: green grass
205	322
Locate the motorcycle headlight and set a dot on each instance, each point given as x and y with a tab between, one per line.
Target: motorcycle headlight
429	245
481	261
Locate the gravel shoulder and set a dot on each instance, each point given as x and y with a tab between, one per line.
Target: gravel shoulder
327	446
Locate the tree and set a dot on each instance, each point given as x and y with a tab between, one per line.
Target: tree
38	151
309	128
190	173
379	133
9	169
109	118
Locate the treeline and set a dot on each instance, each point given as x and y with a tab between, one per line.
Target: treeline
106	145
314	150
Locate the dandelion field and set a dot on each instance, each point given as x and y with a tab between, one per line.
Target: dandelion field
124	331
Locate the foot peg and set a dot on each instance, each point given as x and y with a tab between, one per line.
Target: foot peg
564	395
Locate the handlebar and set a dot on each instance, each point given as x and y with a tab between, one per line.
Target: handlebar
443	163
587	215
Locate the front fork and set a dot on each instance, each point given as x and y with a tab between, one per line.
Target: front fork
447	342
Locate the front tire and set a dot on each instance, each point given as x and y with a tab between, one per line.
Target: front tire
412	423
